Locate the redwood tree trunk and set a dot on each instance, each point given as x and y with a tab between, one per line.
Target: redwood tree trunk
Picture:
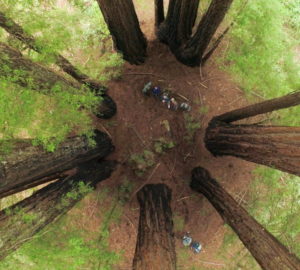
155	248
124	27
276	147
177	28
159	12
287	101
193	50
265	248
17	31
30	74
28	165
23	220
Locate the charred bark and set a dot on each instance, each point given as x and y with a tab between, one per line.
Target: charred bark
159	12
265	248
30	74
26	218
276	147
287	101
28	165
155	248
124	27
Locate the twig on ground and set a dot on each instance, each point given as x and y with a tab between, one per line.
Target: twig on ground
138	135
106	131
184	198
219	264
148	179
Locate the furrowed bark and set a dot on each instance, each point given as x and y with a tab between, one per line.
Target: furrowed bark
287	101
124	27
29	166
177	28
19	223
276	147
30	74
155	248
192	51
17	31
159	12
265	248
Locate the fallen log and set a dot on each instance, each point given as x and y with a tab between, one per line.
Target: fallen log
29	165
265	248
155	248
23	220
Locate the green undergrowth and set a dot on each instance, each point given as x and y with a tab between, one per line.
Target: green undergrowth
75	29
47	120
273	201
67	244
261	54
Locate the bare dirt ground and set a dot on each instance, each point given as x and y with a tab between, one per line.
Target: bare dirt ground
139	122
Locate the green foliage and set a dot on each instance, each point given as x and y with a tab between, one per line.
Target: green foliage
47	119
124	191
78	191
74	28
192	125
66	245
161	145
178	223
261	50
142	162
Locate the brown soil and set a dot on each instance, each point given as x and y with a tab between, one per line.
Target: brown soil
139	122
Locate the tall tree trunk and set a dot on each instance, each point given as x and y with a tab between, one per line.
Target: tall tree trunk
155	248
178	26
159	12
30	74
192	51
17	31
28	165
287	101
23	220
265	248
276	147
124	27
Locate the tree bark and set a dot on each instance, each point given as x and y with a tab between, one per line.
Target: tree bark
26	218
178	26
276	147
124	27
30	74
265	248
155	248
192	51
28	165
159	12
17	31
287	101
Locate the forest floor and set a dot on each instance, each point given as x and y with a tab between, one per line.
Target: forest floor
141	121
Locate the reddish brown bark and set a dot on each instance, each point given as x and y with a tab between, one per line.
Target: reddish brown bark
276	147
265	248
28	165
124	27
155	248
23	220
287	101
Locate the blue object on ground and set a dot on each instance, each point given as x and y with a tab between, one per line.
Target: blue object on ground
156	91
186	240
196	247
